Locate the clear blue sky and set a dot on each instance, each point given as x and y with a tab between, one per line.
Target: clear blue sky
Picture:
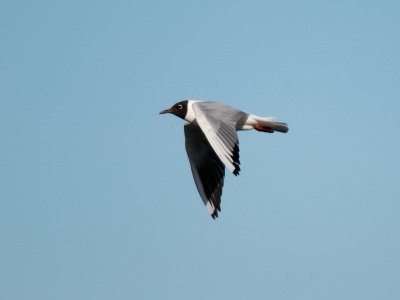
97	199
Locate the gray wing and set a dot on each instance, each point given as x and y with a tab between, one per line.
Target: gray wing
218	123
208	170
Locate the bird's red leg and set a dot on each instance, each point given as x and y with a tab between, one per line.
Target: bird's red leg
263	128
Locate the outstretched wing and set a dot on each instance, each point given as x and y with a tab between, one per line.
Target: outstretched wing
218	123
208	170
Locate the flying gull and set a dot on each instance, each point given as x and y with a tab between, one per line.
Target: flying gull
212	143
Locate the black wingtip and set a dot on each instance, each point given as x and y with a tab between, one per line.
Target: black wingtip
214	215
236	161
237	169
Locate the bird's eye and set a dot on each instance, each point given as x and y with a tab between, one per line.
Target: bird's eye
179	106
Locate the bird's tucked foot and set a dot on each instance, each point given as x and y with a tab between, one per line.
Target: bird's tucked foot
263	128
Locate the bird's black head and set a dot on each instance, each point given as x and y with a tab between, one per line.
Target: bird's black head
178	109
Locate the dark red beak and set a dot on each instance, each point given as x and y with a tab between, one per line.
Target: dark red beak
166	111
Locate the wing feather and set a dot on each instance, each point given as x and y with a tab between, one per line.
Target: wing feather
218	123
207	169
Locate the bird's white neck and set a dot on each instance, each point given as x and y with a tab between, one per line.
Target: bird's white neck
190	116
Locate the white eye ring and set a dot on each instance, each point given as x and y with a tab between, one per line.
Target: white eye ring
179	106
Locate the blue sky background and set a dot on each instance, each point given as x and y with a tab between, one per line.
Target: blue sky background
97	199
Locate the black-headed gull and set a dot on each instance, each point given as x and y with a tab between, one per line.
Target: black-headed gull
212	143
